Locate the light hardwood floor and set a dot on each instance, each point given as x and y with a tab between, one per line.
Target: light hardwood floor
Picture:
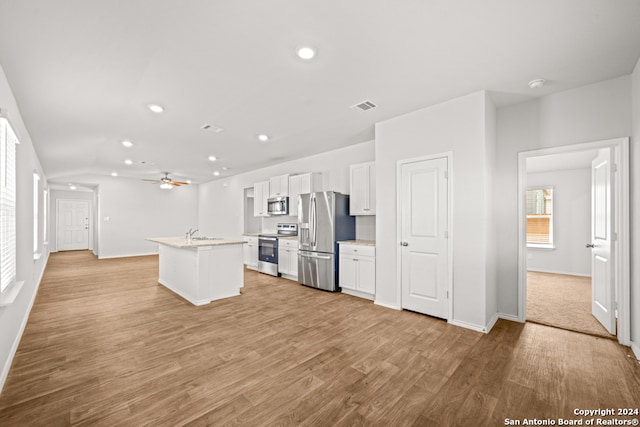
106	345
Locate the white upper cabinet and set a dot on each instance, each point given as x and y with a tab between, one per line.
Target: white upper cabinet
362	200
302	184
260	196
279	186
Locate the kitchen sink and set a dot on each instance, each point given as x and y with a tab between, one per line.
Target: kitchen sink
206	238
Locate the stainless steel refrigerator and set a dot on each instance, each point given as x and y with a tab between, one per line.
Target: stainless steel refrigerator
324	219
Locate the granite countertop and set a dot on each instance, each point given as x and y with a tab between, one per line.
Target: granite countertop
181	242
288	237
358	242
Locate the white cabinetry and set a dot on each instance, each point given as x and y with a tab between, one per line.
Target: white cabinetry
358	270
362	198
279	186
302	184
250	252
288	258
260	196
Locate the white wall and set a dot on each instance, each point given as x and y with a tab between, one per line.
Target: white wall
635	213
590	113
571	223
221	201
13	318
56	195
458	126
491	226
137	210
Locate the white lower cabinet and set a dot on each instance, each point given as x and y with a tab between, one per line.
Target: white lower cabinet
358	270
288	258
250	252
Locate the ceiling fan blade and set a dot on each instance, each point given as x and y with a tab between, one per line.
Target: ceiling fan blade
177	183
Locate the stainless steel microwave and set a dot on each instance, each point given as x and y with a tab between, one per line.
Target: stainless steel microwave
278	206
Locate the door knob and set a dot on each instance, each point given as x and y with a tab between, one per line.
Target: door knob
404	243
590	245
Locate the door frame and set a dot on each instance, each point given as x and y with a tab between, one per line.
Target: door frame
399	163
90	222
621	217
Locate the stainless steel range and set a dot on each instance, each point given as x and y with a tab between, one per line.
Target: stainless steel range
268	248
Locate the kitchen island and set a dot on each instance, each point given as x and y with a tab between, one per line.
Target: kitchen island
200	270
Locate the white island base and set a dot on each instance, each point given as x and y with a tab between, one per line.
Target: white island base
202	273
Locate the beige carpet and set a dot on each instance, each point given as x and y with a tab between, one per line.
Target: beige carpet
562	301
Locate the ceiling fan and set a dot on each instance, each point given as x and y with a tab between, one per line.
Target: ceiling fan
167	183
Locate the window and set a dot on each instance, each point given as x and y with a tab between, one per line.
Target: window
45	213
36	196
540	217
8	143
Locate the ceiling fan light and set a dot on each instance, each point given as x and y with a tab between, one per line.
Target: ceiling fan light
166	186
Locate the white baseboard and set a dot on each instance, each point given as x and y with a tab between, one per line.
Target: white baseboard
14	347
288	277
568	273
510	317
466	325
126	255
358	294
492	322
177	292
636	350
385	305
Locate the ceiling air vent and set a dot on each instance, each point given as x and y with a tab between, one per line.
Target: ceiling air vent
216	129
364	105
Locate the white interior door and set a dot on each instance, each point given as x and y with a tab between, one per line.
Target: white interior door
424	239
602	283
73	225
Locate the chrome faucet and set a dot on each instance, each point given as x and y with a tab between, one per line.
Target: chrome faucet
190	234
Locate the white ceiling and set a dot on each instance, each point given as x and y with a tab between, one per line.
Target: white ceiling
83	72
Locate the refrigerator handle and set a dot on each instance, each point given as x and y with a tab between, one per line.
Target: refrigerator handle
327	257
314	222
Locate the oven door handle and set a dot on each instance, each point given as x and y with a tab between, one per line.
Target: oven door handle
314	256
271	239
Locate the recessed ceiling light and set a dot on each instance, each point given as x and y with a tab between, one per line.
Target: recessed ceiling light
127	143
213	158
263	137
534	84
155	108
114	173
128	162
224	168
306	52
72	187
216	173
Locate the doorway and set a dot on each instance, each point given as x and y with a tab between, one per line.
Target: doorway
424	207
72	224
556	271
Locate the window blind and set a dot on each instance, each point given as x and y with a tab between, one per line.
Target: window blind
8	143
